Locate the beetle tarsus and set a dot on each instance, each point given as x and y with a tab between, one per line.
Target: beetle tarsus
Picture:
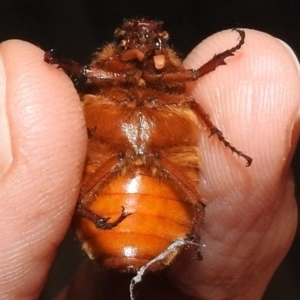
99	221
193	239
105	225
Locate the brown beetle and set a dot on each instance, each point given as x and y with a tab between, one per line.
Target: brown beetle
140	194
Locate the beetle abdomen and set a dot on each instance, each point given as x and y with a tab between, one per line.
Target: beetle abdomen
157	217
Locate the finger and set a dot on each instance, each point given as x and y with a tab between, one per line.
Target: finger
254	100
43	146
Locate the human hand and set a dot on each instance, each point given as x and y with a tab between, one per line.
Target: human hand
248	209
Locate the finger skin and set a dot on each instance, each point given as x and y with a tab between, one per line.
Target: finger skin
43	139
251	213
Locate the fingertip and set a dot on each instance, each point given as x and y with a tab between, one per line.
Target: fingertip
35	92
45	120
46	132
253	99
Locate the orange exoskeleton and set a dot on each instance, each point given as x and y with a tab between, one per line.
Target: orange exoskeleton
140	191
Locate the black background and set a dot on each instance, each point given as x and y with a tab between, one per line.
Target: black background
77	27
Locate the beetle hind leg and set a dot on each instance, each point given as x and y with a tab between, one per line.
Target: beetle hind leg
99	221
97	180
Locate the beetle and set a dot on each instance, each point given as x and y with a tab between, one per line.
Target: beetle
140	195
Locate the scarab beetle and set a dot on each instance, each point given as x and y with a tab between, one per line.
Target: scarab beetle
140	191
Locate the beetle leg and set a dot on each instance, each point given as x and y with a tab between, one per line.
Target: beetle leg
188	190
204	117
194	240
74	70
194	74
95	181
219	59
101	222
189	193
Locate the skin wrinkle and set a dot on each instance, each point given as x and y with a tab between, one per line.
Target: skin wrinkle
256	230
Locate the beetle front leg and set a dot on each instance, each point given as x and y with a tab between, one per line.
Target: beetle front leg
194	74
219	59
74	70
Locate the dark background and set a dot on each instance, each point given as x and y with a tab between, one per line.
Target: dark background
77	27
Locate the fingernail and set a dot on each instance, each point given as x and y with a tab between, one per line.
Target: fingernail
6	157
